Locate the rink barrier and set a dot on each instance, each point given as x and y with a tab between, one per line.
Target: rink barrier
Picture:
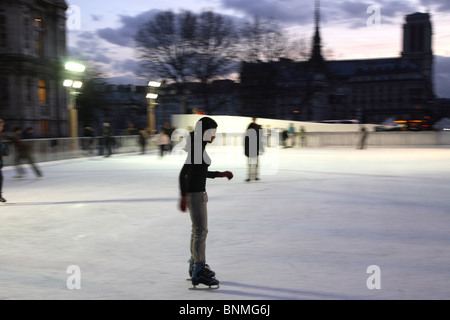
378	139
45	150
345	139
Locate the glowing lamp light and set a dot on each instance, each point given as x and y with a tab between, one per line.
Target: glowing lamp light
152	96
77	84
68	83
155	84
76	67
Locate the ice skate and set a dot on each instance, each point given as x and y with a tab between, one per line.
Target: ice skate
2	200
201	276
210	273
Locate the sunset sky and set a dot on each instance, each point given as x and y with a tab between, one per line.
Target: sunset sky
105	33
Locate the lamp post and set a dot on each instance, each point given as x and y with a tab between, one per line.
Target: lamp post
152	96
73	85
72	108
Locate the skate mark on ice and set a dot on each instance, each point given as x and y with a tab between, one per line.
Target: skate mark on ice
275	293
48	203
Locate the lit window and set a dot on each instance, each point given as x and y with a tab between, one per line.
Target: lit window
42	92
39	36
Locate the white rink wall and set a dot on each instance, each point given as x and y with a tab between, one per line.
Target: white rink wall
231	129
239	124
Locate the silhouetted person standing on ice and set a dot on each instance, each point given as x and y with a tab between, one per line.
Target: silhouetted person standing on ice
362	137
253	148
107	139
23	153
192	182
2	125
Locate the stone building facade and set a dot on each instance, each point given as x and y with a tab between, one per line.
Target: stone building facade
371	90
32	54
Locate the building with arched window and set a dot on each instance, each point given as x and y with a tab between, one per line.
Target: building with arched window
32	54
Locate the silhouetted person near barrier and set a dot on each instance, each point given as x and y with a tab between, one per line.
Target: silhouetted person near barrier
362	137
192	180
2	153
302	135
253	146
23	154
168	129
291	136
107	139
143	138
163	142
28	134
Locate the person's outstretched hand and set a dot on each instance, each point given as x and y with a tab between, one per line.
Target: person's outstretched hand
183	203
226	174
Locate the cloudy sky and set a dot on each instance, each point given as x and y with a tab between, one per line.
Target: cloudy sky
102	31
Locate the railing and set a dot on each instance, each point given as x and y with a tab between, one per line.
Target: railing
350	139
379	139
45	150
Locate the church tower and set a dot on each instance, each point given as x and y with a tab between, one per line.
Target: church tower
417	42
318	104
316	53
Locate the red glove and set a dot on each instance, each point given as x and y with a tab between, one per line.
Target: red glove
183	203
226	174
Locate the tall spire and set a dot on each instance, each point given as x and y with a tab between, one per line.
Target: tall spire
316	55
317	13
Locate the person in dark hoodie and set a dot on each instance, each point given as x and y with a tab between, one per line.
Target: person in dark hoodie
2	200
254	147
192	181
23	153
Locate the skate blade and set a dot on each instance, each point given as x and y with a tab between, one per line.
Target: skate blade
204	287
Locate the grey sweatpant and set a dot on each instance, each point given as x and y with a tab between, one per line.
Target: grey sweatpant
199	216
253	168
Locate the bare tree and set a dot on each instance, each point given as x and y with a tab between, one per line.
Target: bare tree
187	47
263	40
299	50
214	51
165	47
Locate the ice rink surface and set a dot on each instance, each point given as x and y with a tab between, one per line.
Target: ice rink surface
310	229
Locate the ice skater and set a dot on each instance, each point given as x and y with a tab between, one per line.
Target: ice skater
2	200
253	148
107	139
163	142
143	139
192	182
24	152
302	135
362	138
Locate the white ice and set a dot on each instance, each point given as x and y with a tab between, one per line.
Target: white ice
308	230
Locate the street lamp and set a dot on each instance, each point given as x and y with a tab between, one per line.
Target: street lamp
75	67
72	85
154	84
151	96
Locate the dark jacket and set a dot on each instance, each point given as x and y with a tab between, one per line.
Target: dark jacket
253	141
23	149
194	172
